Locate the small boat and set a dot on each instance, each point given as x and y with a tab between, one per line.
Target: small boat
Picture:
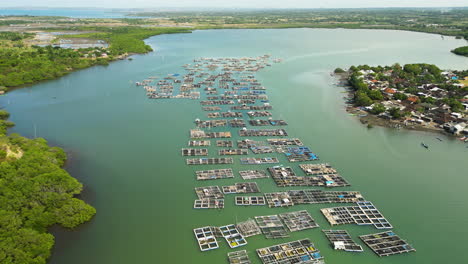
424	145
439	139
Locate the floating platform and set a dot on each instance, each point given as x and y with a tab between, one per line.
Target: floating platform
262	132
217	102
251	107
205	238
278	199
250	200
232	236
209	192
295	252
237	123
341	240
253	174
285	177
271	226
213	115
269	122
298	154
239	257
211	108
299	220
249	228
364	213
211	123
197	133
199	143
259	161
285	142
232	114
259	114
386	244
242	187
200	134
209	161
209	203
261	149
224	143
322	197
218	135
230	152
194	152
214	174
318	169
247	143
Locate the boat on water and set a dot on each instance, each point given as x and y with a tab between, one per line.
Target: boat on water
439	139
424	145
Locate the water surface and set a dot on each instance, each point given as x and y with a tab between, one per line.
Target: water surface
125	148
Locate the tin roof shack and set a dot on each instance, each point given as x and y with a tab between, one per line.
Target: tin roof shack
455	128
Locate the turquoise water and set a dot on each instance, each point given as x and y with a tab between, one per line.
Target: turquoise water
126	148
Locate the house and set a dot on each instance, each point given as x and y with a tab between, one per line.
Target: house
390	91
456	115
455	129
413	99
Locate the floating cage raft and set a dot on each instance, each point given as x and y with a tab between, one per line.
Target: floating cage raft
210	161
285	142
272	226
299	251
250	200
208	203
262	132
259	161
224	143
248	228
364	213
194	152
238	257
199	143
231	89
253	174
214	174
205	238
285	177
341	240
386	244
242	187
209	192
232	236
297	221
231	152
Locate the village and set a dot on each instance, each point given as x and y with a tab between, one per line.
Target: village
413	96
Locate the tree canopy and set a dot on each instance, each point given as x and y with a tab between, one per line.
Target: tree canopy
35	193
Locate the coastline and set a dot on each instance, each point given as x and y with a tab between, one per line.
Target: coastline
370	120
190	30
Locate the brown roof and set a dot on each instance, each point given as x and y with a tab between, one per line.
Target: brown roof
390	90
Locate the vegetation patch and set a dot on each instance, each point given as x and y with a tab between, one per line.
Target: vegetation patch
35	193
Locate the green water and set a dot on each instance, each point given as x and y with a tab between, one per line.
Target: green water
126	148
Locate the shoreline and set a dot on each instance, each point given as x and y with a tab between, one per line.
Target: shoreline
191	30
366	118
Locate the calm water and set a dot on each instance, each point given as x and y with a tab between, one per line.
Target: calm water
125	148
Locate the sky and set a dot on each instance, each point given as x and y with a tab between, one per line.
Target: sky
234	3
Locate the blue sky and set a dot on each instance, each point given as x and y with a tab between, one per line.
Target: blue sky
233	3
